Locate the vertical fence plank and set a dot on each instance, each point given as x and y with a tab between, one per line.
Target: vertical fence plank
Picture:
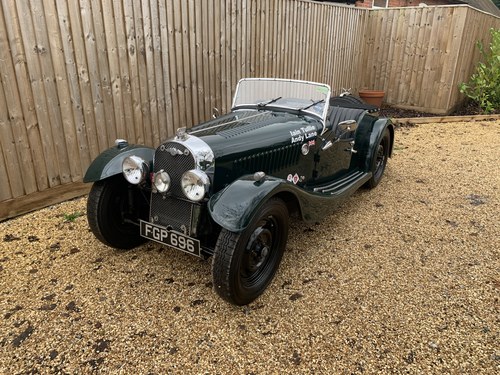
183	45
93	73
174	86
166	129
177	63
22	80
193	62
5	189
141	19
148	72
133	52
32	49
115	82
76	119
62	174
8	146
124	74
199	88
161	122
103	88
13	110
67	131
233	26
81	89
207	58
217	77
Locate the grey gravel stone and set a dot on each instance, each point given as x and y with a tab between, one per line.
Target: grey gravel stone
401	279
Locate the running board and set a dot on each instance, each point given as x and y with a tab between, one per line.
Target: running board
338	186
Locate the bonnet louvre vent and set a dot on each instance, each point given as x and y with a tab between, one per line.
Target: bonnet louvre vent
245	128
226	123
270	161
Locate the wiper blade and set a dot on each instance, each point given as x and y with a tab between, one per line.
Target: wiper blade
263	104
312	104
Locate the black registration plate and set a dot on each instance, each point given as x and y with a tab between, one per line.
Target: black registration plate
170	238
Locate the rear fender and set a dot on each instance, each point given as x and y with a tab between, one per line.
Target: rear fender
377	132
234	207
109	163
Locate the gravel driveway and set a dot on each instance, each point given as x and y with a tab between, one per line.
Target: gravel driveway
402	279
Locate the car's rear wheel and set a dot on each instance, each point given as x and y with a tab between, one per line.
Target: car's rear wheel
112	210
245	263
379	159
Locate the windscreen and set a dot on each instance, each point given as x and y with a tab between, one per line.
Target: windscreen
308	97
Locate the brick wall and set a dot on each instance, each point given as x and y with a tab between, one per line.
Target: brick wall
399	3
364	4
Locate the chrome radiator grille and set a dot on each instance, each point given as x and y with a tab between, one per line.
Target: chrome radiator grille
173	210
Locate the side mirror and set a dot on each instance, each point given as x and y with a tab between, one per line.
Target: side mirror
215	112
347	126
342	129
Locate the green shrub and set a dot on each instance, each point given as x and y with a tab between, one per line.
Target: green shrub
484	84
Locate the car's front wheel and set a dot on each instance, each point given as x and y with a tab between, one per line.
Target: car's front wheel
245	263
379	159
112	210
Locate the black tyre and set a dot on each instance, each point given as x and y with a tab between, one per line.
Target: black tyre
245	263
109	213
379	160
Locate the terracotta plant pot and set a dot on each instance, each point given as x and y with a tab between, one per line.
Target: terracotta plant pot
374	97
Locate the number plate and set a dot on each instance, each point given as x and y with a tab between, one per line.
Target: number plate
170	238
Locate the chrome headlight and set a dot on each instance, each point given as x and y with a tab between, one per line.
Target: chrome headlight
134	169
161	180
195	184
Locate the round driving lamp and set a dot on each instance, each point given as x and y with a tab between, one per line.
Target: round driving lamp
161	180
195	184
134	169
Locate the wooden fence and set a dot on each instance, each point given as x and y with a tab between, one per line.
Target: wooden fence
418	56
75	75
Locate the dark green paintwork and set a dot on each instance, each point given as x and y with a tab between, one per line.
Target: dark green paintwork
248	148
234	206
244	142
109	163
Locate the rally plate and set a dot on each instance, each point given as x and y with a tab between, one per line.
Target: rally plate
170	238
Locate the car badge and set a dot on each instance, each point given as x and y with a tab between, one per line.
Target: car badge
305	149
294	179
174	151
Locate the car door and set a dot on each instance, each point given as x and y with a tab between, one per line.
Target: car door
333	157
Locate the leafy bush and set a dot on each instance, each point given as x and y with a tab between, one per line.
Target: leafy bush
484	84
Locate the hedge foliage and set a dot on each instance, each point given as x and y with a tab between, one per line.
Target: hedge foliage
484	85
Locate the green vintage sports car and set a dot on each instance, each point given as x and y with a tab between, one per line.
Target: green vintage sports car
226	188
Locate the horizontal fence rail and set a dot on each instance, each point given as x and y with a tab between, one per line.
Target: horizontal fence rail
76	75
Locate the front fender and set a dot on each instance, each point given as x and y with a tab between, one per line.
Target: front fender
109	163
233	207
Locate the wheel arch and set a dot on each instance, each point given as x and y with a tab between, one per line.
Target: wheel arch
291	201
378	130
250	196
109	162
106	205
